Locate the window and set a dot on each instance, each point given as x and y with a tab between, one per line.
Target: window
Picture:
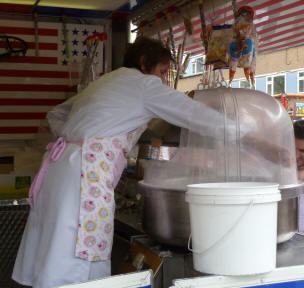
301	82
193	67
275	84
244	84
198	65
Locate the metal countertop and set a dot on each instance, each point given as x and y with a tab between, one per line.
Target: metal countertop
291	253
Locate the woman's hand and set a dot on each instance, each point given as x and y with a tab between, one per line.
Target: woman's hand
269	150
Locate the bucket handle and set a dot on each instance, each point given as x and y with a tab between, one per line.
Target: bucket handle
224	235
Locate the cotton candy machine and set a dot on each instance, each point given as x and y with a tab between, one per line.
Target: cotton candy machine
248	138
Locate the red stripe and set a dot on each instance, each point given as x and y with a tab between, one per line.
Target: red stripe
30	59
32	45
261	6
28	31
34	87
273	35
15	8
266	4
19	130
286	45
22	116
277	26
193	47
269	12
261	24
31	102
43	46
198	52
273	20
34	73
212	16
281	40
280	9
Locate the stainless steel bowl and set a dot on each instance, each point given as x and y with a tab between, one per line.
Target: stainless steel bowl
149	152
288	211
287	219
166	214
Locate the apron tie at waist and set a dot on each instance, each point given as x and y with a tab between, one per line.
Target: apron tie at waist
55	151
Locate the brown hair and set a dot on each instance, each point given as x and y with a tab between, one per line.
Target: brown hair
148	52
298	127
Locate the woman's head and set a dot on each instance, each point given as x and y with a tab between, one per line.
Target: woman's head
149	56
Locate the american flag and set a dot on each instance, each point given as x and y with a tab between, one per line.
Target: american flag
31	85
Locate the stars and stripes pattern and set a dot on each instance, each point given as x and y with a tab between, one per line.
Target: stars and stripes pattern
31	85
77	49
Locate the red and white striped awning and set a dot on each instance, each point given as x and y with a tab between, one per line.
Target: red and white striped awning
279	23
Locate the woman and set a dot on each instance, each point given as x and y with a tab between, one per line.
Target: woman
69	233
68	236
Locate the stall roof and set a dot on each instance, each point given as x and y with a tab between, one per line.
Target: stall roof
108	5
279	23
75	8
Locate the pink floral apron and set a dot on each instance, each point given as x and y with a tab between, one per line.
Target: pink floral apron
103	160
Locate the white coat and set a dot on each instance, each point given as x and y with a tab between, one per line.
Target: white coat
117	103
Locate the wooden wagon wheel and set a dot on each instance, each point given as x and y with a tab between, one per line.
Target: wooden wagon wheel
12	45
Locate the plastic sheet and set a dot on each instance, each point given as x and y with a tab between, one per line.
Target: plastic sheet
249	138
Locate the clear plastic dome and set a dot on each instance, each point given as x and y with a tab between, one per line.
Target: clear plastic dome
250	138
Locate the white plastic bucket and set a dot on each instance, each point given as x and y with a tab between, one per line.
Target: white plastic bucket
233	227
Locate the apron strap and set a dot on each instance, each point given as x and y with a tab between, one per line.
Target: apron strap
55	151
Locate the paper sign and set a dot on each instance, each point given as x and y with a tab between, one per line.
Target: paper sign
298	109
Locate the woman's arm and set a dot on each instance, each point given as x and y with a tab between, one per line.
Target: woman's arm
178	109
268	150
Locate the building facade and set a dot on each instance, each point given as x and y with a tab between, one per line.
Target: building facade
280	72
